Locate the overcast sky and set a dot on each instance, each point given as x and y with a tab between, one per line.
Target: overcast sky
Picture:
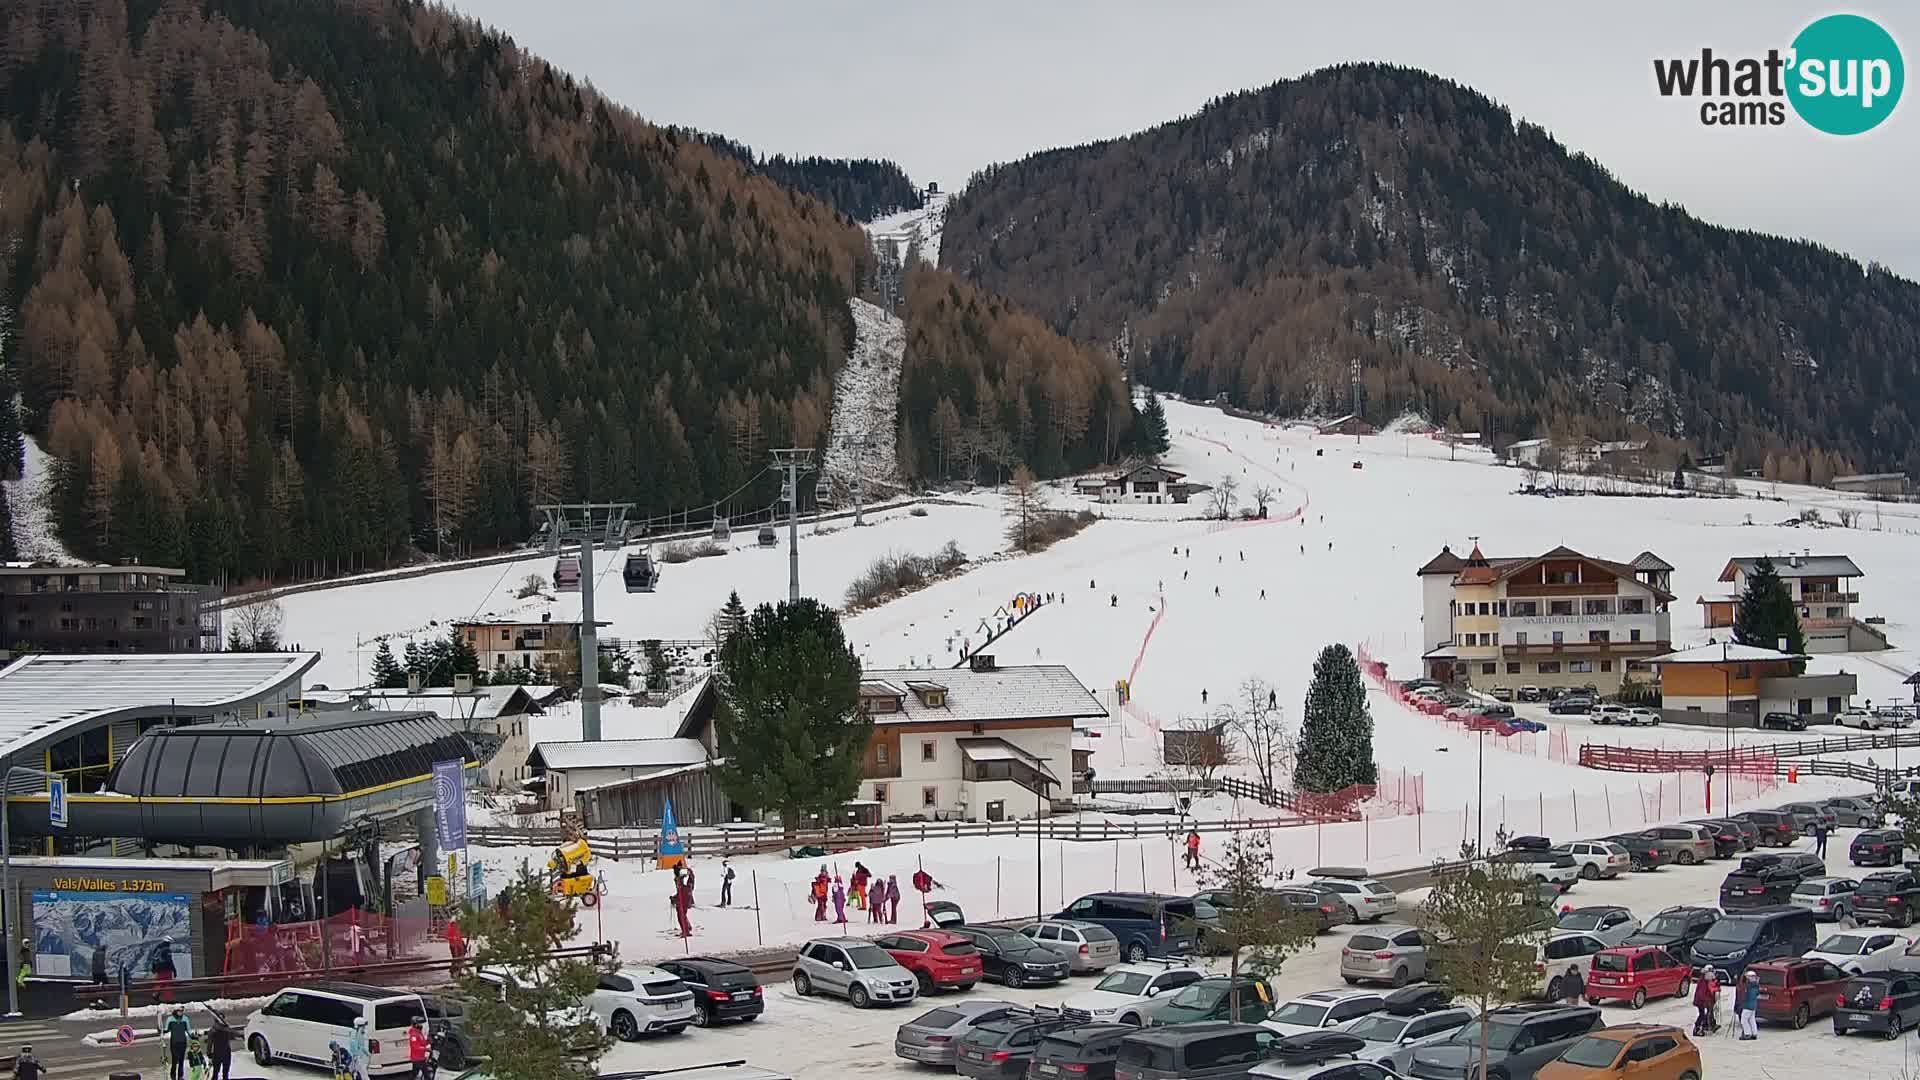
945	90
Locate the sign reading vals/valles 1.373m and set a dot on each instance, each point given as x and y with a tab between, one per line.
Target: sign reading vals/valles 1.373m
95	884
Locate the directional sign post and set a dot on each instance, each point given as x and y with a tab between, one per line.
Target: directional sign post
56	802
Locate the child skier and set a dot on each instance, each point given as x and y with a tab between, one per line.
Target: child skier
342	1061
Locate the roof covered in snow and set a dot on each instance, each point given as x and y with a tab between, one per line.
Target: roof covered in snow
1724	653
1035	692
1797	566
619	754
484	703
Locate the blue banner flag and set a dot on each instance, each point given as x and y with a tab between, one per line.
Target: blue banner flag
673	850
450	804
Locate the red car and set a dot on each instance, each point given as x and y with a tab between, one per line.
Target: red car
939	959
1794	991
1634	973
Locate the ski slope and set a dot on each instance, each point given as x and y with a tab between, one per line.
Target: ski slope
922	226
866	404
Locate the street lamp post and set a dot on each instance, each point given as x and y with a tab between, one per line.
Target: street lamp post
1480	800
8	901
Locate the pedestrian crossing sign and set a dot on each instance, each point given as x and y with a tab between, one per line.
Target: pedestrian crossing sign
57	802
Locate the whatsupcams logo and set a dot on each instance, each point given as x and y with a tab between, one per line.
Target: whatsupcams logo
1842	75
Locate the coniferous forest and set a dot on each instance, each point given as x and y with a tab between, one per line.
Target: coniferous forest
1479	272
861	188
303	286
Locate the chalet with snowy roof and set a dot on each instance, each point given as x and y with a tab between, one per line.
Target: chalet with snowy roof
1823	592
978	743
509	643
1886	483
1725	682
1349	424
1146	484
1556	619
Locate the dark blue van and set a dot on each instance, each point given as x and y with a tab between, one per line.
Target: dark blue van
1147	924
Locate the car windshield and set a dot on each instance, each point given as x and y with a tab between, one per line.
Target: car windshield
1667	924
1379	1027
1132	983
1581	920
1013	943
869	956
1199	997
1842	945
1732	932
1204	910
1592	1052
1301	1013
1499	1036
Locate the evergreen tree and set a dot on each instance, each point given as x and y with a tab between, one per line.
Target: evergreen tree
513	1023
790	729
1336	730
455	657
733	616
1153	439
656	658
387	672
1766	615
414	661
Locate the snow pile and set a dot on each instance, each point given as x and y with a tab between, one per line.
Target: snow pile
866	404
29	500
910	228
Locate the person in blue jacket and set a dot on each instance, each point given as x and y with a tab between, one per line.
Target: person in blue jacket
1749	1001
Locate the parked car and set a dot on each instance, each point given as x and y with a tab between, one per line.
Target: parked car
1829	898
1894	716
1855	951
933	1037
1520	1039
1086	1052
1675	929
1887	898
722	990
1642	848
1085	946
1744	937
1323	1009
1146	924
1817	811
1641	716
1804	819
1610	923
1529	843
1571	705
1608	714
1317	1055
1643	1051
638	1000
1502	693
1725	834
1367	900
1784	721
1795	990
1856	716
1854	812
1327	908
1002	1047
939	959
1386	953
1211	1051
1124	991
1886	1003
1544	865
1776	829
1557	959
1392	1037
1878	847
297	1023
1529	693
857	970
1804	863
1635	973
1597	858
1011	959
1749	832
1211	998
1685	844
1760	881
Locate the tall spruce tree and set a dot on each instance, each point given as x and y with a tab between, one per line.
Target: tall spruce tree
1153	439
1766	615
1336	730
387	672
790	729
458	658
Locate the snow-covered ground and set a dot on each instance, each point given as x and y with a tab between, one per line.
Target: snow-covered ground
866	404
30	500
906	228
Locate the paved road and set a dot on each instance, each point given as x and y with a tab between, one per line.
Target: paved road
58	1045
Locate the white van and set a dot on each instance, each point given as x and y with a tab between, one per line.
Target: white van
300	1022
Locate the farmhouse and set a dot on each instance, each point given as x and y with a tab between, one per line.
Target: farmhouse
1823	592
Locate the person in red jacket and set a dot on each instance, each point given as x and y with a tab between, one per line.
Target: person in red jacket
417	1045
456	946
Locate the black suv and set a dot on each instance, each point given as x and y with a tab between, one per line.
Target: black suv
1003	1047
722	989
1520	1039
1878	847
1776	829
1886	898
1726	836
1086	1051
1784	721
1571	704
1642	848
1761	881
1676	929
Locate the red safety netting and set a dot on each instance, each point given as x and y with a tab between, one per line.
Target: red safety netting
349	938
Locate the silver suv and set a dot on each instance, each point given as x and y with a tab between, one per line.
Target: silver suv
857	970
1385	953
1685	844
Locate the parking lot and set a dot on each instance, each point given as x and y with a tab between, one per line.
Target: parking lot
809	1036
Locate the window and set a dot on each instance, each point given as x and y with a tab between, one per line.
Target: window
1488	669
1833	704
506	634
880	793
927	749
929	796
1580	667
93	623
880	753
1486	639
1598	636
1743	671
1549	667
1560	607
66	605
1633	605
1513	668
1486	608
24	626
1496	639
1598	607
1834	612
1633	635
1559	637
399	1014
1525	609
1606	665
67	623
1500	608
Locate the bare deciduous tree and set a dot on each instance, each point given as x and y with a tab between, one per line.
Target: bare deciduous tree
1225	496
1262	495
1260	723
1026	505
256	627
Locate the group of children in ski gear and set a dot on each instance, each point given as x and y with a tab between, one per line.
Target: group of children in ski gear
880	899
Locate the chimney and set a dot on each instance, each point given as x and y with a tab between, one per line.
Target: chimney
982	662
1793	558
413	682
463	684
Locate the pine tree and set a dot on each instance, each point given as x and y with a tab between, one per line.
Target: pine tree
1153	439
1766	615
790	729
656	658
387	672
515	1023
732	617
414	661
1336	730
457	658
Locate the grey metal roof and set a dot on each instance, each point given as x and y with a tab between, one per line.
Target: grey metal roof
320	754
44	696
1035	692
1647	560
1807	566
620	754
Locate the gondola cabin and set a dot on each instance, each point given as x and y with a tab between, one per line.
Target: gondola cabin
640	572
721	530
566	574
823	493
768	538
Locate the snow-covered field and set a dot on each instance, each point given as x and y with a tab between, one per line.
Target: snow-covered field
29	502
908	227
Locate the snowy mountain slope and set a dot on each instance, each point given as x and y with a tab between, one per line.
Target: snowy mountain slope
28	500
923	226
866	403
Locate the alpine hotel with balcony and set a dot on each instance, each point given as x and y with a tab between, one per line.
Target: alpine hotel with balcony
1558	619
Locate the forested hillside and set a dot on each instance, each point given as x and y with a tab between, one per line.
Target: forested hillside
861	188
1477	270
302	285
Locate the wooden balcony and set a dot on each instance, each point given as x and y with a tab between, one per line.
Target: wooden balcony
1826	597
1583	588
1586	648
